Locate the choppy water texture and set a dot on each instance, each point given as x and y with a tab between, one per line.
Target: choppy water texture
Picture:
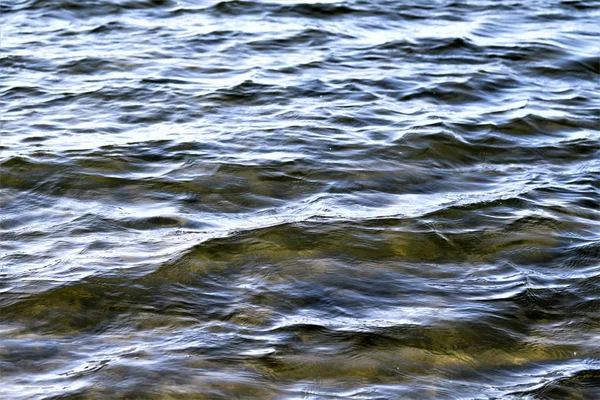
284	200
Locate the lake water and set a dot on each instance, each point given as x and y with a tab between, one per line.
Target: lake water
390	199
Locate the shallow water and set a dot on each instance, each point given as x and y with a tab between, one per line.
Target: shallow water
345	199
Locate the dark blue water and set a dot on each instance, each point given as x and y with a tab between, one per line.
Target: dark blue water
387	199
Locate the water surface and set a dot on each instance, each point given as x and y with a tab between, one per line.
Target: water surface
341	199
